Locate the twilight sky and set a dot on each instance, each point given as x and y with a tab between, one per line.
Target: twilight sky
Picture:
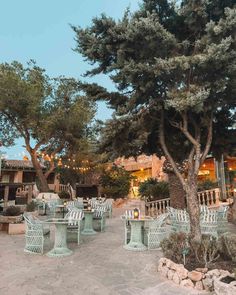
40	30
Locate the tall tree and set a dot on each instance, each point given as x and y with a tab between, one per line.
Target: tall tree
49	114
174	68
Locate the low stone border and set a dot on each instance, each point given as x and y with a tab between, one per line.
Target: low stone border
200	278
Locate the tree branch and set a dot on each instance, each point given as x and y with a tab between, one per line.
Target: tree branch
209	139
166	151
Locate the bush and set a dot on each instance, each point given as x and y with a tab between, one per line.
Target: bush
176	247
227	245
30	207
64	195
12	211
207	185
115	182
208	251
154	190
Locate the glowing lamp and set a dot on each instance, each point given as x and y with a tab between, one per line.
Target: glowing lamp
136	213
65	203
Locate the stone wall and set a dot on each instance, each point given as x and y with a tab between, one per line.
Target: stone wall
199	279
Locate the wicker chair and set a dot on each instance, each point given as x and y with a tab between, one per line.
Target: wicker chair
34	234
208	223
179	220
155	231
108	203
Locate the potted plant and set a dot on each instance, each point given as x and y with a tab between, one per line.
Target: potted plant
31	207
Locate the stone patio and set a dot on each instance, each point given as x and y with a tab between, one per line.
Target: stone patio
99	266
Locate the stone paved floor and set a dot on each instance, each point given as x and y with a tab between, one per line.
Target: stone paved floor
99	266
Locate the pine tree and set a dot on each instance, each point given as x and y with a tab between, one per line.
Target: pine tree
174	68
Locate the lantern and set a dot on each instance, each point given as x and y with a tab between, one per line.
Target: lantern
65	203
136	213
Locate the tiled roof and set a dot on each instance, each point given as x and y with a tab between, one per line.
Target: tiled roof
18	164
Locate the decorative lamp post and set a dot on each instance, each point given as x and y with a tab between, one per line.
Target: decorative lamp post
136	213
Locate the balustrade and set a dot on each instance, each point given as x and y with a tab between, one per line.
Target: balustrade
210	198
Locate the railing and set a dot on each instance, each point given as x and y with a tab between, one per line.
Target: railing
154	208
210	198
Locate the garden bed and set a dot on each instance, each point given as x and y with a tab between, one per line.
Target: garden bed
197	278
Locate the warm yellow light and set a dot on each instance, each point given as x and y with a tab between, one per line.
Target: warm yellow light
141	169
230	169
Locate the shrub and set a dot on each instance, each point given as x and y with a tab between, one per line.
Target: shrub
207	185
154	190
176	247
115	182
12	211
208	251
227	245
64	195
30	207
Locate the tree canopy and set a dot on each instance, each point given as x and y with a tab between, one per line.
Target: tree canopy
50	114
174	67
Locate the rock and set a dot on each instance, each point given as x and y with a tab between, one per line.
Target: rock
213	273
182	271
199	286
222	288
176	279
187	283
224	272
159	268
208	284
164	271
162	261
195	276
170	274
202	269
169	263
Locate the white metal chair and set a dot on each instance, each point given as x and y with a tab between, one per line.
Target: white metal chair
75	217
99	216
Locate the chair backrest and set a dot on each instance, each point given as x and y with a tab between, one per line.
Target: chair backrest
159	221
47	196
203	209
209	217
74	216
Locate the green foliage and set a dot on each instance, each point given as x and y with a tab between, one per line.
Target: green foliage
207	185
51	113
115	182
227	245
153	189
176	247
12	211
64	195
31	207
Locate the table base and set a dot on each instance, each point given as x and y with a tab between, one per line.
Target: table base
59	252
135	247
88	232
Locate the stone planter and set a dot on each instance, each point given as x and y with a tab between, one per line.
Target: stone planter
199	279
11	219
222	288
16	228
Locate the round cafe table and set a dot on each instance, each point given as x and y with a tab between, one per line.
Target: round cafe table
136	238
60	248
88	223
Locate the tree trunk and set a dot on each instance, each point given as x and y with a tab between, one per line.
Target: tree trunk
193	209
177	193
43	186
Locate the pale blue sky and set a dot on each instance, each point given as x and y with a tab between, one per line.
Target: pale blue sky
40	30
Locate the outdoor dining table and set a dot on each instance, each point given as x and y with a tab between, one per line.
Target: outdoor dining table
88	223
60	248
136	238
